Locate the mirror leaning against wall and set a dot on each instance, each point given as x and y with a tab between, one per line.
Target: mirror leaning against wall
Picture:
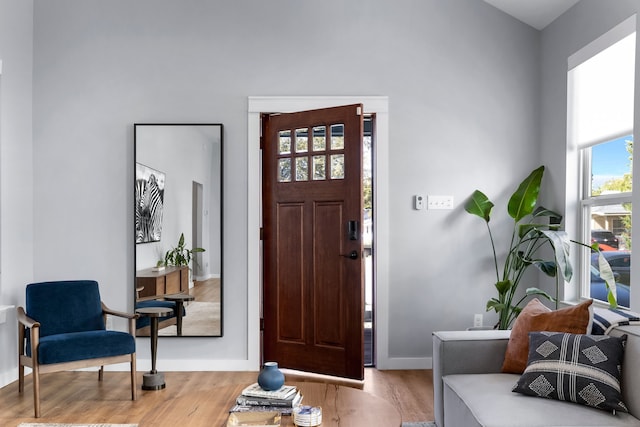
178	227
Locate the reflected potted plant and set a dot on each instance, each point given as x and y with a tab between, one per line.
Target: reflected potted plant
534	228
180	255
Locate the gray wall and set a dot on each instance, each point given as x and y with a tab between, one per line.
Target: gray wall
16	170
456	74
582	24
463	80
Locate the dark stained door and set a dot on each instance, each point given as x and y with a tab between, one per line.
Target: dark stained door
312	218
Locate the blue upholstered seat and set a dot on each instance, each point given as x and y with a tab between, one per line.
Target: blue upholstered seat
72	323
84	345
63	328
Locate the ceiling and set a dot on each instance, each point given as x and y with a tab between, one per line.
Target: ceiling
536	13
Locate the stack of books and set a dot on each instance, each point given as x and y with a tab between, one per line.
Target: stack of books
254	398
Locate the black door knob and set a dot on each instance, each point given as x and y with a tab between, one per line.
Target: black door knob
352	255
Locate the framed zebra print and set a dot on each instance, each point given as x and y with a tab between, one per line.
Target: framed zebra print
149	203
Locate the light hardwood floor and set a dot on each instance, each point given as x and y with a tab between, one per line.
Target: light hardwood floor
78	397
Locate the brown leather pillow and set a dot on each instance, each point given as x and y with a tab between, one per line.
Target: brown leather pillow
536	317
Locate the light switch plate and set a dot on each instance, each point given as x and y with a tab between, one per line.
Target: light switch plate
439	202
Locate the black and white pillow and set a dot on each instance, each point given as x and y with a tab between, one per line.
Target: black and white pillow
584	369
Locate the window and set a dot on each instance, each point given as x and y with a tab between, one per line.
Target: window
600	117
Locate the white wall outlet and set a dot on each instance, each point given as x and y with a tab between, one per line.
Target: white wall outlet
477	320
439	202
418	202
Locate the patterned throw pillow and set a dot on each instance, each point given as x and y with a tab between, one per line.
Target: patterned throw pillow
584	369
536	317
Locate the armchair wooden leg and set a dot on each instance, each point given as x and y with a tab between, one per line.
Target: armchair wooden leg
36	391
101	373
134	386
20	378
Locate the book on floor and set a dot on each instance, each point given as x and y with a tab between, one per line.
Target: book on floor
247	408
255	419
289	402
284	392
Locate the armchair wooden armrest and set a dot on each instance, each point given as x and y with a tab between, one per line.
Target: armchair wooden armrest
131	316
25	320
107	310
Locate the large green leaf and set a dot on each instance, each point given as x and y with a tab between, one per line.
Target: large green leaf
537	291
542	211
547	267
503	286
606	274
560	242
494	304
480	205
524	200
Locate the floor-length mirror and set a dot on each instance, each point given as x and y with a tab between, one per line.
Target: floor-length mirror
178	227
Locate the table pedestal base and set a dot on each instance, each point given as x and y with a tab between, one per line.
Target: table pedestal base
153	381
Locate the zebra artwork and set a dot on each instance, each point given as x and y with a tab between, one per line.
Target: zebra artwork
149	195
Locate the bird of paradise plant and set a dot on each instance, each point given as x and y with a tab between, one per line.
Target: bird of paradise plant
534	228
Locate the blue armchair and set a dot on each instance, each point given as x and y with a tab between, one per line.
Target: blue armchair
63	328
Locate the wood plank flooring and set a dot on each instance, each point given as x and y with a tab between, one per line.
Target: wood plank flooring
78	397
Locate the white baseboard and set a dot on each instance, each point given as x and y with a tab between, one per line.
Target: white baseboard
187	365
182	365
207	277
8	377
407	363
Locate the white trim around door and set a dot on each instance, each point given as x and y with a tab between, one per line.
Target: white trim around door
279	104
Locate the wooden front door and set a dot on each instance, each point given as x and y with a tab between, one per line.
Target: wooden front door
312	218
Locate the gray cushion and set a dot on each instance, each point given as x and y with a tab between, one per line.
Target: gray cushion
486	400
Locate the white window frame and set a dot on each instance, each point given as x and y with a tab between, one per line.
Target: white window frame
578	170
587	202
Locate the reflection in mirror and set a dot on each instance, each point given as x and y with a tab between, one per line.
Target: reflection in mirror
178	227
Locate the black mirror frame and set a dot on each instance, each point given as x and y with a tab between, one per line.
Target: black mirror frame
221	220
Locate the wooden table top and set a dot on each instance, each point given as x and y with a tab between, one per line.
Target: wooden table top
178	297
154	311
341	406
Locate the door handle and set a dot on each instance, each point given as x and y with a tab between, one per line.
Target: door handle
351	255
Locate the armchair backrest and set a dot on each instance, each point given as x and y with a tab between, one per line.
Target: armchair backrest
65	306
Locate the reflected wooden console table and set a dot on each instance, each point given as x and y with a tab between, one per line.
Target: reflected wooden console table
341	406
171	280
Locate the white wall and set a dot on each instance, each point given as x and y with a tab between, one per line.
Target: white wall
463	83
456	74
16	170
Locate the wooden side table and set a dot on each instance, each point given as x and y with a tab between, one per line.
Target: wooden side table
153	380
179	299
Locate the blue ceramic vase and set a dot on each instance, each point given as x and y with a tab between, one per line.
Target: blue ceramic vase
271	378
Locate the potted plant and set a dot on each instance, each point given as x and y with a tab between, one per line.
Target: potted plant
180	255
534	228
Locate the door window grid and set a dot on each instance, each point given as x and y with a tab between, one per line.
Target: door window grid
322	164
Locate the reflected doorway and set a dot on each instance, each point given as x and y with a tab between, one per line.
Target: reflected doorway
197	231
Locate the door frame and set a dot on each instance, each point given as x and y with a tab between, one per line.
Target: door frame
378	105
